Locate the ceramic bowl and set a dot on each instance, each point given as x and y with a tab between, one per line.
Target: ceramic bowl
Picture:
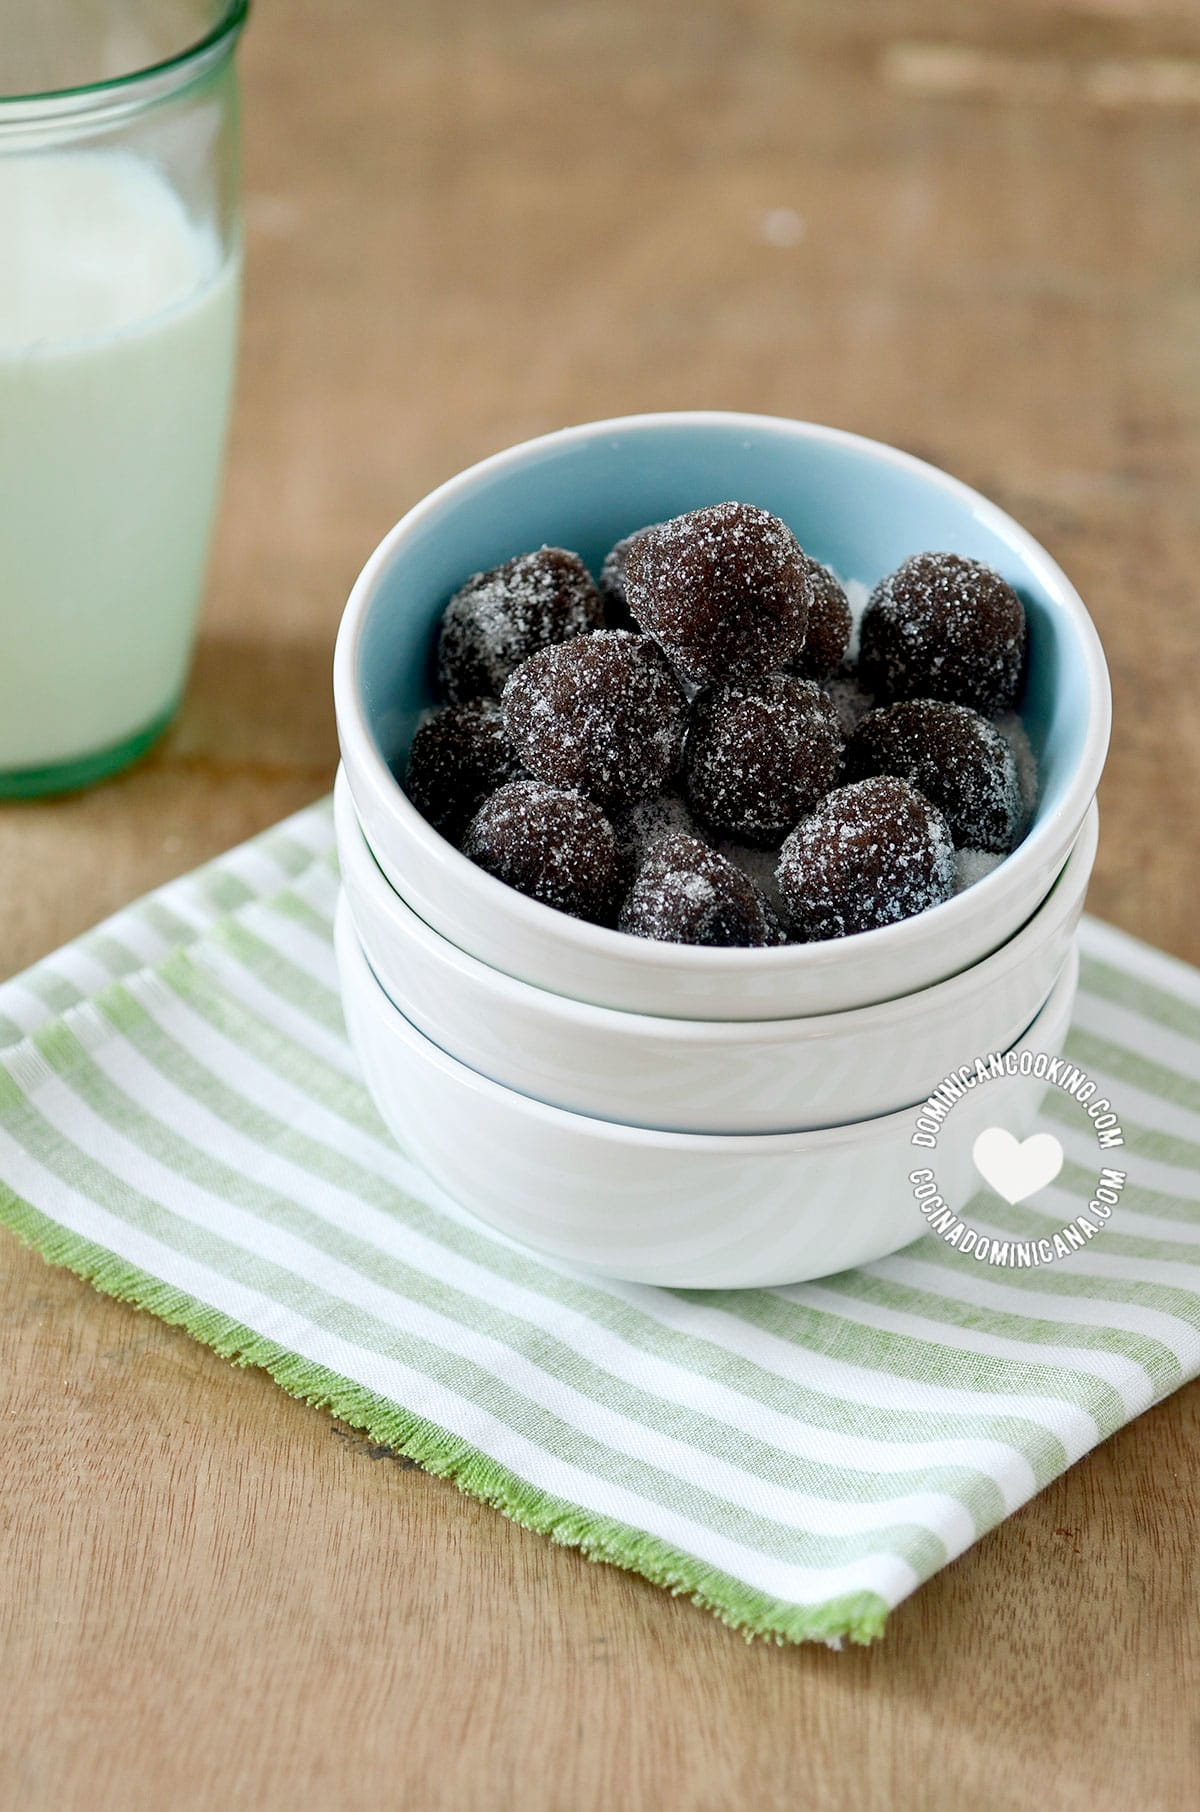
861	507
691	1075
694	1210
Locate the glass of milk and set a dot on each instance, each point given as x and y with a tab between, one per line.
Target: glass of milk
120	264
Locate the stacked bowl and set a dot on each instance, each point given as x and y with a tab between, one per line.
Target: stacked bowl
674	1114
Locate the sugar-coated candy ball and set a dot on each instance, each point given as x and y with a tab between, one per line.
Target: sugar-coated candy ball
641	825
685	893
830	621
760	755
942	626
871	853
556	846
499	618
952	755
612	581
458	757
602	714
1012	728
723	590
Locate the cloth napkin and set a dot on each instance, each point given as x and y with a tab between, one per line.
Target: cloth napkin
182	1123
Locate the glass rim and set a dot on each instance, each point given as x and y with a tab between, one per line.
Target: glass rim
110	89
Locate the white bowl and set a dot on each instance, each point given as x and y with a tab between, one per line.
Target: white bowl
688	1075
690	1210
859	506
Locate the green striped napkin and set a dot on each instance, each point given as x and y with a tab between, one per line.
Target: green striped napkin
181	1122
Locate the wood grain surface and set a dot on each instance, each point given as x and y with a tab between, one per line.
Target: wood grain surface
967	229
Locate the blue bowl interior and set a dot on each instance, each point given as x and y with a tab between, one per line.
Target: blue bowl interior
849	507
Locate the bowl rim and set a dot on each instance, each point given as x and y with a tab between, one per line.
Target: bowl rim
564	1010
364	762
355	972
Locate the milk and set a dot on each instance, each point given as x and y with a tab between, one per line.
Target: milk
117	332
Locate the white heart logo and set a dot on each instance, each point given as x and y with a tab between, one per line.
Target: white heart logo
1015	1168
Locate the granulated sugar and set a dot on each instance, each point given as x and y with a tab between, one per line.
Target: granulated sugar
760	865
856	596
970	865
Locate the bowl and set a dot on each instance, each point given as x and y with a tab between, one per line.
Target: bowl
858	505
690	1210
687	1075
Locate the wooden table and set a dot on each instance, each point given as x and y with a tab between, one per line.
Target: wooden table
967	229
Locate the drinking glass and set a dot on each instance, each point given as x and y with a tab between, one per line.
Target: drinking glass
120	268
